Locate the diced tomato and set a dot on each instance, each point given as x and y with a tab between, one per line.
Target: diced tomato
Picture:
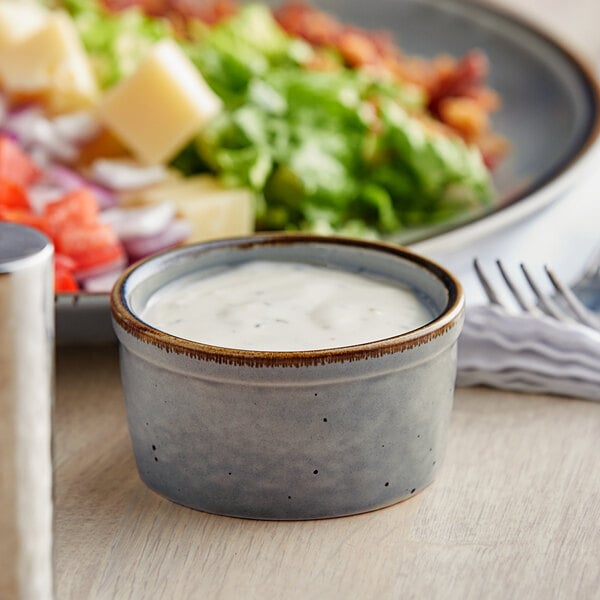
24	217
12	194
89	245
64	262
83	244
78	207
15	164
64	281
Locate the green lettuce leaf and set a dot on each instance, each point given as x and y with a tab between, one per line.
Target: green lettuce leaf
326	151
116	42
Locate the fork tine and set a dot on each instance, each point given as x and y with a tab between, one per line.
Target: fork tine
489	290
544	300
568	309
578	308
521	301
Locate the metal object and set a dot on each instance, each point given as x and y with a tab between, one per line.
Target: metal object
564	305
26	379
582	314
587	289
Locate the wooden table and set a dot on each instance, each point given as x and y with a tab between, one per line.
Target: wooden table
513	513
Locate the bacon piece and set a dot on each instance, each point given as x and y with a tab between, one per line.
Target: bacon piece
302	20
464	115
210	12
468	75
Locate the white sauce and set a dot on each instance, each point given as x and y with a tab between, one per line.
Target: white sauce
284	306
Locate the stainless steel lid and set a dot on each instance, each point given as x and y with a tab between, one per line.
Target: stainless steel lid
21	246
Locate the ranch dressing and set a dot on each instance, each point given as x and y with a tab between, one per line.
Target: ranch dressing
284	306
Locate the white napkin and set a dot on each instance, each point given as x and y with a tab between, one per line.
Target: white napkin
529	354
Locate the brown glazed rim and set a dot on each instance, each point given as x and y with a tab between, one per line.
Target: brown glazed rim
448	318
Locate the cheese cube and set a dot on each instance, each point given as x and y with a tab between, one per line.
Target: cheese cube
19	20
213	211
51	63
218	215
158	109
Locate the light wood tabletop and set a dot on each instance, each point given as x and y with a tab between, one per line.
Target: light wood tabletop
513	513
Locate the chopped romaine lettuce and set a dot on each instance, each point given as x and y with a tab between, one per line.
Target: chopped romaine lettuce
242	48
116	42
327	150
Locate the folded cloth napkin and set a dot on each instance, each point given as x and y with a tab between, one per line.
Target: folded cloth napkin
527	353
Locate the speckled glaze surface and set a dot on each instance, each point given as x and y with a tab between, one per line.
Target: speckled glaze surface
289	435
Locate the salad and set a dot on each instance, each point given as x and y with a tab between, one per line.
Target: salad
141	125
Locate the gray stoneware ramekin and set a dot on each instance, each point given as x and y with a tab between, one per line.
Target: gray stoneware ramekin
289	435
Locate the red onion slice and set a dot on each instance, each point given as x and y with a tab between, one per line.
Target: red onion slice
38	135
107	267
131	223
69	180
41	194
77	127
20	123
101	283
176	233
123	175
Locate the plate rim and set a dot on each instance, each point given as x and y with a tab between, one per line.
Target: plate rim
549	187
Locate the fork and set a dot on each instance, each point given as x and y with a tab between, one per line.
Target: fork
587	288
565	306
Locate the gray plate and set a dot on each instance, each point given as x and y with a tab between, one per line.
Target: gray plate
550	115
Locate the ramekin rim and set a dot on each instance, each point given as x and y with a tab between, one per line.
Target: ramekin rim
124	316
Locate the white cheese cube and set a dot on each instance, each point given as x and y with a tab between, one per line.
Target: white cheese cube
225	214
19	20
51	63
157	110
